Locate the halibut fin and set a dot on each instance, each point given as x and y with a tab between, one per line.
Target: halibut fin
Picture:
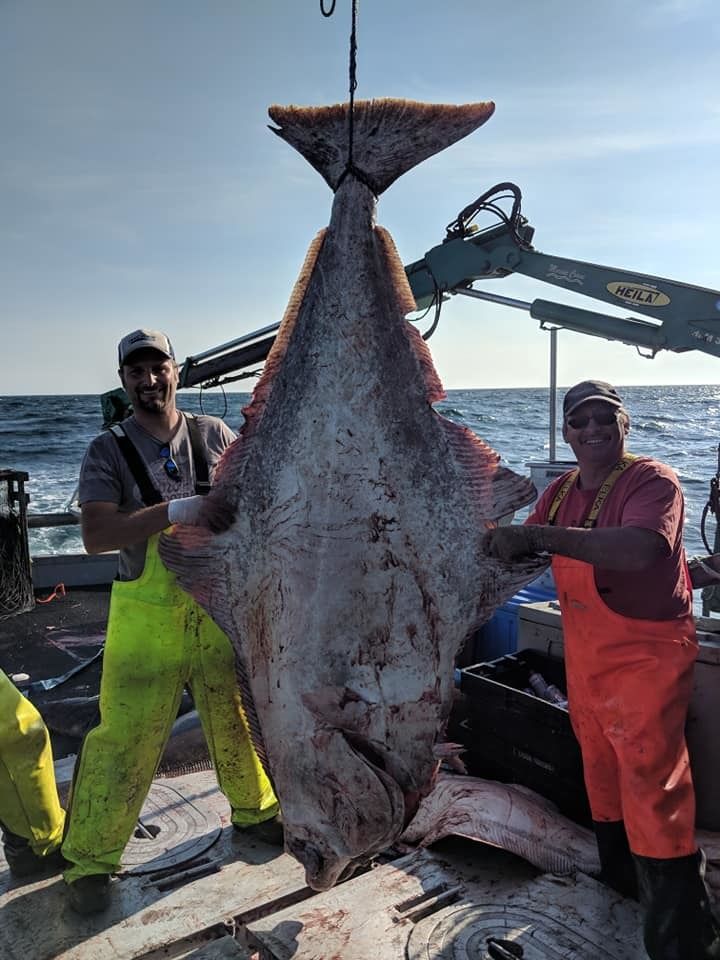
193	554
390	136
231	461
499	488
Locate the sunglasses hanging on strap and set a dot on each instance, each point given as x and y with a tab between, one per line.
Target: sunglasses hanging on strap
170	467
149	493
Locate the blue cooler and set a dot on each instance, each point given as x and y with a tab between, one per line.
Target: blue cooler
499	635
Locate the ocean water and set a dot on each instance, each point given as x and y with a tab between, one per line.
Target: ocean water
45	436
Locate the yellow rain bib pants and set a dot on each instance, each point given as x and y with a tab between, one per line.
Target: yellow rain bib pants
29	805
158	640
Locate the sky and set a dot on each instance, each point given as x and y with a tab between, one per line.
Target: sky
140	185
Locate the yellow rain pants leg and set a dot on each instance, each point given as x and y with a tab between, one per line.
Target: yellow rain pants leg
145	666
29	804
217	698
151	644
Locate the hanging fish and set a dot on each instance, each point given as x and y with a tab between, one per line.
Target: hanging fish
354	571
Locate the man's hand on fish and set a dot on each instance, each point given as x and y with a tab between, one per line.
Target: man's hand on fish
514	542
198	511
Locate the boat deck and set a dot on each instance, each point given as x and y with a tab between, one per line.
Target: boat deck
56	635
194	891
48	642
189	888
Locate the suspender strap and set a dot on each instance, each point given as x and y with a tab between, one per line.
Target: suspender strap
148	491
149	494
202	477
561	494
591	519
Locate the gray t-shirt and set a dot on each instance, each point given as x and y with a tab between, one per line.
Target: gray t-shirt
105	475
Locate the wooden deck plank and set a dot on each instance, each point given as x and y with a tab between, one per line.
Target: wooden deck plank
373	915
432	906
224	949
142	917
259	893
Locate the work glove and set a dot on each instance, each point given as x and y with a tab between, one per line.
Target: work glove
513	542
198	511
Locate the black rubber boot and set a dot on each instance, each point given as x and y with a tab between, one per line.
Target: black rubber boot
90	894
617	867
23	861
269	831
678	921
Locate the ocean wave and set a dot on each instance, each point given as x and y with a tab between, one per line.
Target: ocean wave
47	436
451	413
650	426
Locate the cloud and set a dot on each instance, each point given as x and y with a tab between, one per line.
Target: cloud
684	9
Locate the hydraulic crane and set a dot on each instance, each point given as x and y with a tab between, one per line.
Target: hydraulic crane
683	317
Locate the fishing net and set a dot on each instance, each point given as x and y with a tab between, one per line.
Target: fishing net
16	589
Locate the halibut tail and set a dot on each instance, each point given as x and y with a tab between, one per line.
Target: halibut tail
389	136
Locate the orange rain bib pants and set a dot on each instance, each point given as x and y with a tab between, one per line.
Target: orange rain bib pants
629	686
158	640
29	804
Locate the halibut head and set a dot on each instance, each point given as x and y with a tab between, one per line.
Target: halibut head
353	572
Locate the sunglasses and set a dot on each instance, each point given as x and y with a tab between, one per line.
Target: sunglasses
171	468
603	418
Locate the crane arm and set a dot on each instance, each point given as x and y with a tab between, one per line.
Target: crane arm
682	317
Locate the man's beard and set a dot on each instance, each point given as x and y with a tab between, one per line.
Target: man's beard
153	404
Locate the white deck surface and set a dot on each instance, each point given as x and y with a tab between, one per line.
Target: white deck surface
426	905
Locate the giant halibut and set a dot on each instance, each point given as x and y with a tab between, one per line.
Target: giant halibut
353	572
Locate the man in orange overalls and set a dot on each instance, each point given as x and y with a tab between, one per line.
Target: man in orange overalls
614	529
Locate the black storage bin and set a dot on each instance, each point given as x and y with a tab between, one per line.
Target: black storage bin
516	737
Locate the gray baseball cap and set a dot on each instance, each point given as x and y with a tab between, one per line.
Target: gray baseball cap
590	390
144	340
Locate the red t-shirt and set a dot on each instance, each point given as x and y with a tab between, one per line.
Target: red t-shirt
647	495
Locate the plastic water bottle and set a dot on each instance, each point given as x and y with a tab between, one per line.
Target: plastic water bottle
557	696
546	691
538	684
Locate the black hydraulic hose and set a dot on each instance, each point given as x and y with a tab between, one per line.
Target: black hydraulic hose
712	506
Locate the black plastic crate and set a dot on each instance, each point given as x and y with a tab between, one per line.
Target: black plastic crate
516	737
